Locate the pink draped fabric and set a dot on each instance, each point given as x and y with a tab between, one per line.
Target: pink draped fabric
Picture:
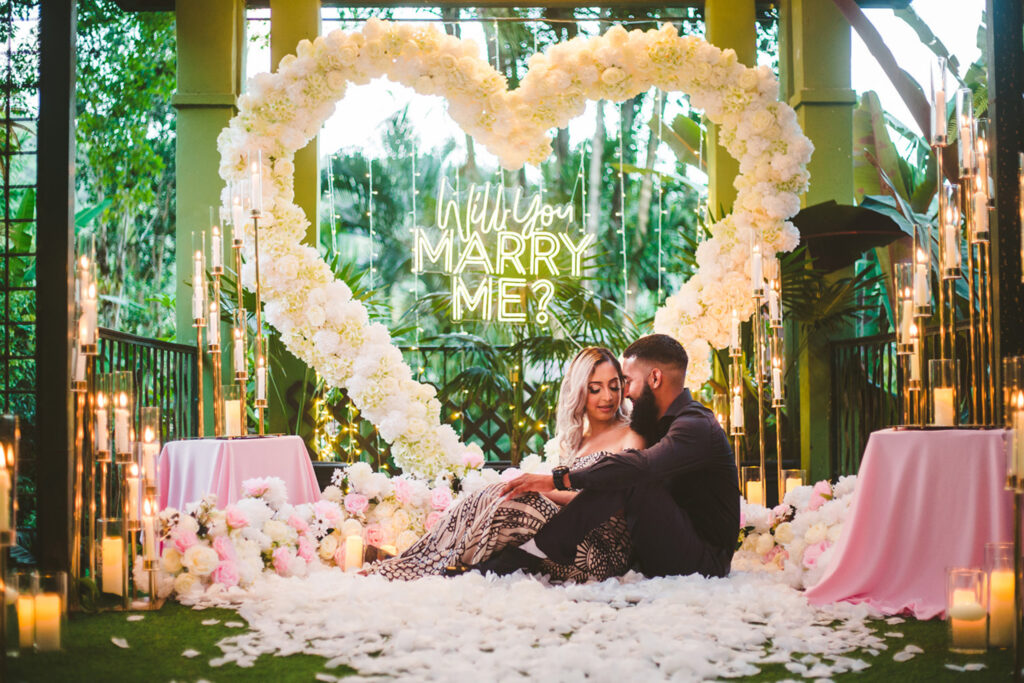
925	501
188	470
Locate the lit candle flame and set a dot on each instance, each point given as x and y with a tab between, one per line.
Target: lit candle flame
147	508
122	399
133	470
148	435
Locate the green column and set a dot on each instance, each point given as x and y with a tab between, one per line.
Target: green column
815	55
730	23
211	37
290	380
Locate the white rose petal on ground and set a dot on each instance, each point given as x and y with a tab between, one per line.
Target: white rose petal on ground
235	624
135	617
892	621
190	653
210	622
120	642
975	666
893	634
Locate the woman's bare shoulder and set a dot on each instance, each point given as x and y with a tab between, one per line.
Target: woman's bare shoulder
630	439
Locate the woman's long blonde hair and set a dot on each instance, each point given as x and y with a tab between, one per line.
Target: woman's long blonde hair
571	423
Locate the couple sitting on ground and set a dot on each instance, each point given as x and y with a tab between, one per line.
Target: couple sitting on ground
656	489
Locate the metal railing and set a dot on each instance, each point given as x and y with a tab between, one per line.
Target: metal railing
867	390
164	374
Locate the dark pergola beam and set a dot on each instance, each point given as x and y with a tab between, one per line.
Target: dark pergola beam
168	5
55	209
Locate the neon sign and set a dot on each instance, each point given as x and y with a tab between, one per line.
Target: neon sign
495	251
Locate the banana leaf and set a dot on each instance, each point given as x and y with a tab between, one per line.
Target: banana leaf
684	136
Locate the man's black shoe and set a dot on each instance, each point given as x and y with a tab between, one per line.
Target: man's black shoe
509	561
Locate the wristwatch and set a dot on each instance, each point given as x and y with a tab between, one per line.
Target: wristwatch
558	476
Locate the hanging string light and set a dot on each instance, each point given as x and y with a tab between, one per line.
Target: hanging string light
497	67
582	182
416	275
369	216
661	195
330	195
622	206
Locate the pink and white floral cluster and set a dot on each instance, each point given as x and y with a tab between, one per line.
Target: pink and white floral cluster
796	538
326	328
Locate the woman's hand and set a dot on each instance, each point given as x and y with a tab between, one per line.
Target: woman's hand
524	483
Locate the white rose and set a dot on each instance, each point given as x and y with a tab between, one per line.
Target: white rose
816	534
333	494
328	546
279	532
170	561
765	542
351	527
200	560
784	533
833	532
186	583
405	539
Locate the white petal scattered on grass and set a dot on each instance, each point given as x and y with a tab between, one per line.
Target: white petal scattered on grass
893	634
892	621
955	667
235	624
326	678
190	653
210	622
903	656
120	642
975	666
914	649
136	617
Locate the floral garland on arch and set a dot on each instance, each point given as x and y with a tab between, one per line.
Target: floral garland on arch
325	327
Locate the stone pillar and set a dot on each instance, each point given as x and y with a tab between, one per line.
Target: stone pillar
291	382
211	41
815	56
730	24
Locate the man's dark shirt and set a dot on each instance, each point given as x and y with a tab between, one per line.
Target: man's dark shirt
693	459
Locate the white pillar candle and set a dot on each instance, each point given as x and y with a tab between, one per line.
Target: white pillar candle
776	381
952	235
906	319
793	483
47	613
939	111
942	399
1017	423
112	557
753	494
966	147
921	281
26	609
78	370
261	382
915	359
773	304
197	305
102	427
150	452
239	353
233	418
353	553
982	157
980	212
1000	609
734	339
216	250
5	492
737	412
87	327
132	481
121	442
968	621
756	276
148	532
213	325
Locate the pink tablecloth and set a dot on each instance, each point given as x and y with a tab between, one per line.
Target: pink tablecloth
925	501
188	470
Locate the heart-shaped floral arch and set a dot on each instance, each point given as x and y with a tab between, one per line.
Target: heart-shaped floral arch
325	327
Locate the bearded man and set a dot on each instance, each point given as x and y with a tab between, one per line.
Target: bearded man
679	497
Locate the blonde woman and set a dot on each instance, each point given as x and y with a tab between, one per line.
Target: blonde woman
591	421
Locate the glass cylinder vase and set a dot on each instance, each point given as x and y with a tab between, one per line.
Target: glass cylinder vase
965	611
149	444
942	375
51	610
949	231
904	312
233	410
753	490
792	480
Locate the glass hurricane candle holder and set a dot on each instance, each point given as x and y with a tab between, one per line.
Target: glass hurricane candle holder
922	273
753	486
904	307
20	603
149	444
101	417
10	444
1013	407
792	479
736	422
937	82
233	410
254	177
1000	599
51	609
949	231
965	611
88	296
942	375
111	562
122	408
216	244
965	130
1020	208
720	406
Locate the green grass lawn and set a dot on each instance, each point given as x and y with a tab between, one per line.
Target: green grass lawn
156	644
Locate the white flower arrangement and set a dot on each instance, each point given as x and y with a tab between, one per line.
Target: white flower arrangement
326	328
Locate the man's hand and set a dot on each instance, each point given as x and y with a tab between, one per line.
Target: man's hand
524	483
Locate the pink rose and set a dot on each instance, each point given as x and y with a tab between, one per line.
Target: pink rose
185	540
298	524
472	459
510	474
327	510
817	500
440	499
776	550
356	503
306	549
403	491
235	518
374	535
813	552
780	511
224	547
339	556
254	488
432	519
743	518
824	488
282	558
225	574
